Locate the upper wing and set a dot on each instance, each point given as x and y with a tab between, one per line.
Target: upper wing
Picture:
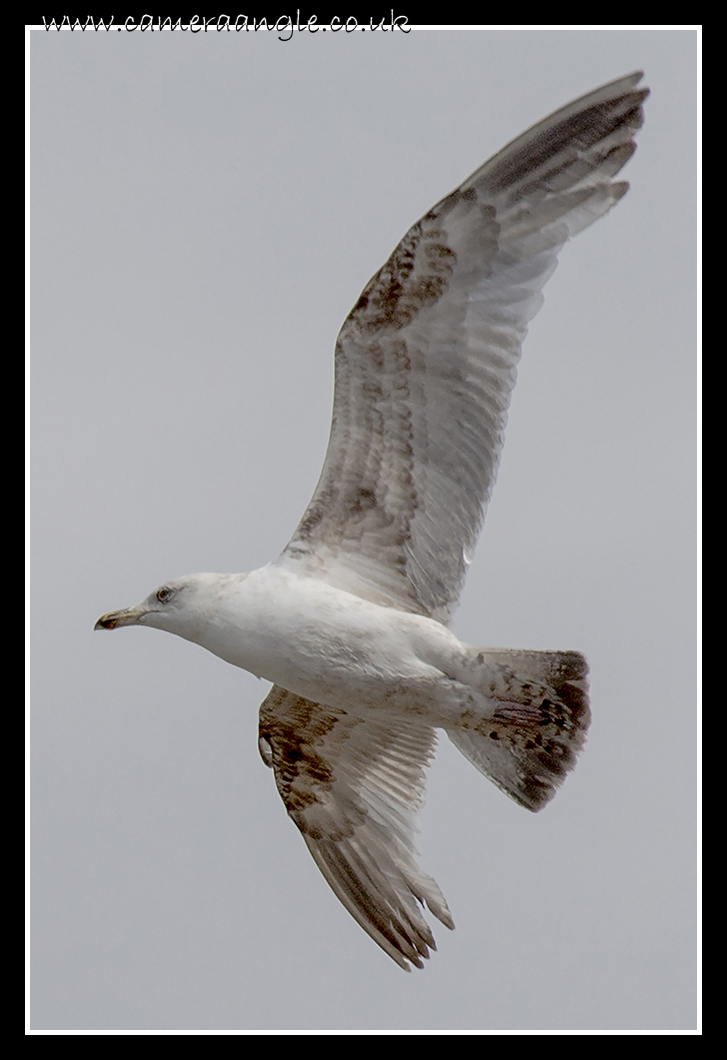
426	360
352	786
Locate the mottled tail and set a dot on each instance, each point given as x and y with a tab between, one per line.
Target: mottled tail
538	723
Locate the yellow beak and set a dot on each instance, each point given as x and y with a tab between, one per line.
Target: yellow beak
129	616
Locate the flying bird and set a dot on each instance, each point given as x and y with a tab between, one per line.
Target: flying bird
351	622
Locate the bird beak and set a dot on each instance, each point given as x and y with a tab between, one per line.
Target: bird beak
128	617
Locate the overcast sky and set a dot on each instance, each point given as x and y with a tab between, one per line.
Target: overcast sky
205	211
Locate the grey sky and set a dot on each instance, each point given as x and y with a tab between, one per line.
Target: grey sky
205	211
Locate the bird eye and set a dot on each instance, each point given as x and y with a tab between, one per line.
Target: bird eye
164	594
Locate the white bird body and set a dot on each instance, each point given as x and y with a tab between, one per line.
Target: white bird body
376	659
350	622
370	650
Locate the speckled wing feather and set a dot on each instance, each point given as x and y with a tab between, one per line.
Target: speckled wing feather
352	786
426	361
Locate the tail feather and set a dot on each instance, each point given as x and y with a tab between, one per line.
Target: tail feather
538	725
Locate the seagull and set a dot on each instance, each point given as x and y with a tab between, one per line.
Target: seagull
351	622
